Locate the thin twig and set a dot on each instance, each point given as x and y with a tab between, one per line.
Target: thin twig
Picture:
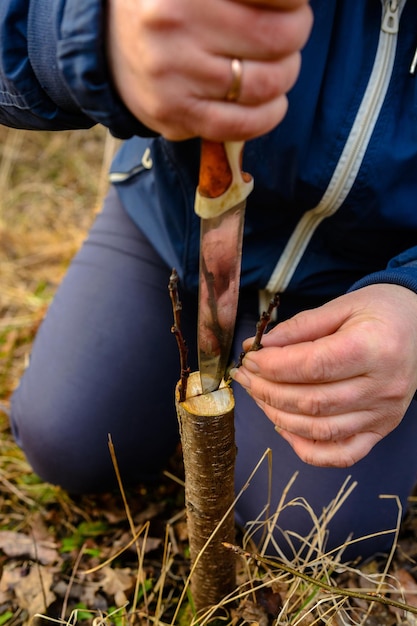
71	582
140	553
176	330
261	327
350	593
263	323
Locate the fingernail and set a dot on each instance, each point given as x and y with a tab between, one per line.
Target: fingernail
278	430
240	377
250	364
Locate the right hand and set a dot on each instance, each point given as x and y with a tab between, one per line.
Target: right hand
171	63
337	379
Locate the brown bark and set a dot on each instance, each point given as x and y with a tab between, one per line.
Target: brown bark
207	435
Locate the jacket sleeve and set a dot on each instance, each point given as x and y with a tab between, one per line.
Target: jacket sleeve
401	270
53	70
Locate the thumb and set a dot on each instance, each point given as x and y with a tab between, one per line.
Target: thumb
310	325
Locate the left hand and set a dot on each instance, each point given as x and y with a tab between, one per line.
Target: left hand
337	379
170	62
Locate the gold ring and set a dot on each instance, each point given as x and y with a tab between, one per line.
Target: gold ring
235	88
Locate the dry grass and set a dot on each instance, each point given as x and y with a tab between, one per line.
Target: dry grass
51	184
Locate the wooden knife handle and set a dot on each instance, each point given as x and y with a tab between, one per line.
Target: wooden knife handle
222	184
215	170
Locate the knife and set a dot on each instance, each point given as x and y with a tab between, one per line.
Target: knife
220	203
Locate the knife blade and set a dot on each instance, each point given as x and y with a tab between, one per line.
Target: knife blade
220	202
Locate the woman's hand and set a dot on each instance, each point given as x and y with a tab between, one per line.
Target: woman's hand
171	62
335	380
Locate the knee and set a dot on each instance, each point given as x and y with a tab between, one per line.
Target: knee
57	452
67	444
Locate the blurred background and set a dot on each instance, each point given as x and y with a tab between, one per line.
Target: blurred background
51	186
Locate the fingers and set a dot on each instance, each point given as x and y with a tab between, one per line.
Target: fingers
322	403
220	121
249	32
326	412
329	429
283	5
340	356
294	401
171	63
311	324
308	325
344	453
337	440
337	379
260	82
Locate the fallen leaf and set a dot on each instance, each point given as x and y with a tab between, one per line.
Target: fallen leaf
38	527
407	585
269	600
151	511
33	591
252	613
16	544
116	582
9	578
151	543
181	530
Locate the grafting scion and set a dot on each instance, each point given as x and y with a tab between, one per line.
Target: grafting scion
176	330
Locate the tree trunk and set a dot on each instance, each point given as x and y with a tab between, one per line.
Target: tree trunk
207	435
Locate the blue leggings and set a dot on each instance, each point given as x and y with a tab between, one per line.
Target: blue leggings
105	361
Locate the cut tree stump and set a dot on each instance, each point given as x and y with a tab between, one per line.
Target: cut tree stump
207	435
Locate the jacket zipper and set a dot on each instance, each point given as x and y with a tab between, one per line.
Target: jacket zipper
146	163
352	156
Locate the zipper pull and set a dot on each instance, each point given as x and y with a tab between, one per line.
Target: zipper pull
413	66
391	20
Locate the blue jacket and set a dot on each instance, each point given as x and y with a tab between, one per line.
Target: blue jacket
335	199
